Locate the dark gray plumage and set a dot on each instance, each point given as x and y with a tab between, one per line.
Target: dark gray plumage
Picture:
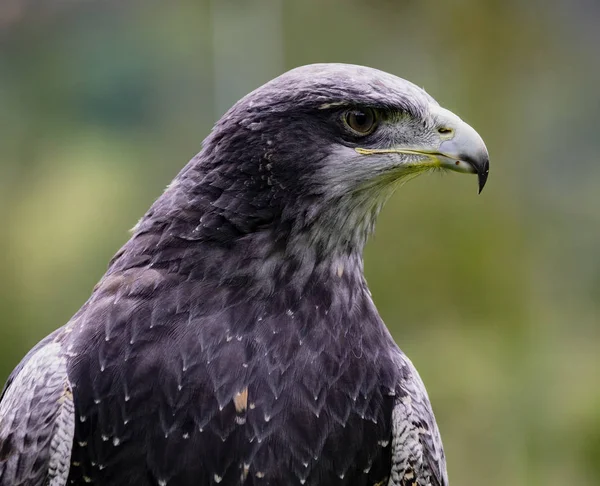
233	339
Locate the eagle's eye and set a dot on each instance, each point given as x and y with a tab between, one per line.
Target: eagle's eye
361	121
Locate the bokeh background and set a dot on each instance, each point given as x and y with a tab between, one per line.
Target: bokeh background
496	298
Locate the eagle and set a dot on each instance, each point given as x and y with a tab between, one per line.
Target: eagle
233	339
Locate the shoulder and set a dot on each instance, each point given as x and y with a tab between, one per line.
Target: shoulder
33	351
37	419
417	452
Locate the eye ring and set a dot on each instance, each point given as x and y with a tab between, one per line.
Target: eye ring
361	121
445	130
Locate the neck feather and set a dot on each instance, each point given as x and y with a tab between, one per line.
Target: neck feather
232	231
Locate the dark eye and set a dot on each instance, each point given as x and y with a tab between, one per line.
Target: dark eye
361	121
444	130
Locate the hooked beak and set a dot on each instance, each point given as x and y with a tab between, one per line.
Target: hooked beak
461	148
465	152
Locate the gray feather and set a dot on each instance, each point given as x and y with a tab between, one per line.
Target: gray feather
37	422
417	452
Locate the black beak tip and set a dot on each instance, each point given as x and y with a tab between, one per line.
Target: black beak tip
481	166
483	170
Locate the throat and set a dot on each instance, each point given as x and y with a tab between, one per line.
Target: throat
341	227
277	265
300	269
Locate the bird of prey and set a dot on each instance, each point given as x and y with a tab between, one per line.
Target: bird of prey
233	339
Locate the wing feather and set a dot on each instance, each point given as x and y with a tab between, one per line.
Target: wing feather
37	421
417	453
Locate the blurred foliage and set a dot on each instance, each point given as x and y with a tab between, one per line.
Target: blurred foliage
495	298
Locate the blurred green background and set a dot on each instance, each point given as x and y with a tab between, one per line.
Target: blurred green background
496	298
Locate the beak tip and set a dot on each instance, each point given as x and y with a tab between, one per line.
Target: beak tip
482	175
